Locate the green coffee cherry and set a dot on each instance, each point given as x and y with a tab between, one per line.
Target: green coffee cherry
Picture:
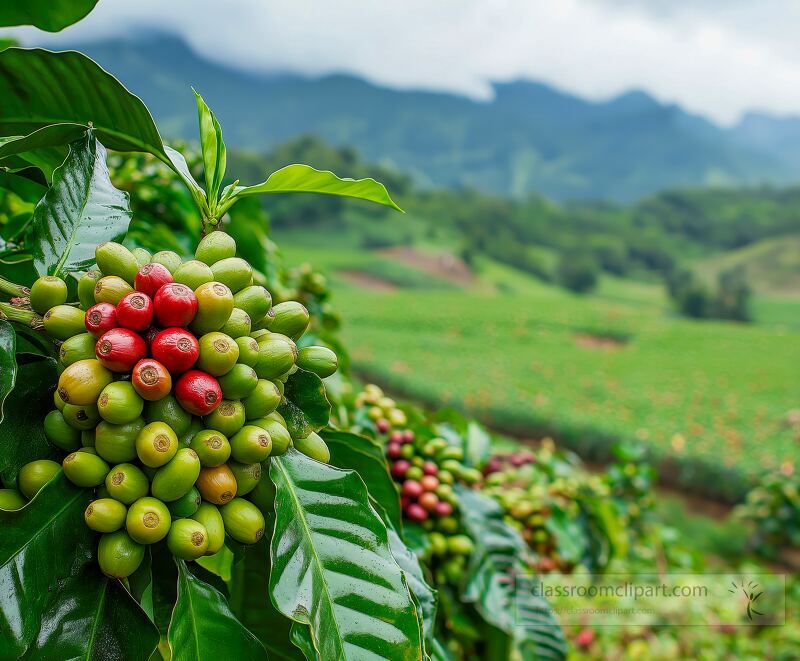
238	324
212	447
119	403
117	443
82	382
193	274
60	433
320	360
448	525
215	246
11	499
239	382
187	539
233	272
289	318
313	446
168	410
214	307
142	256
111	289
34	475
281	439
247	476
85	469
250	444
148	520
118	555
186	505
248	351
63	322
263	494
60	403
105	515
255	301
82	418
264	399
259	333
460	545
47	292
276	355
243	521
168	259
127	483
227	418
209	517
78	347
438	543
115	259
177	477
218	353
86	286
156	444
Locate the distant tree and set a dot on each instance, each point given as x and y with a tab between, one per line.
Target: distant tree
577	272
733	296
693	298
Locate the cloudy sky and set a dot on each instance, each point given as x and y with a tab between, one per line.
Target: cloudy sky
715	57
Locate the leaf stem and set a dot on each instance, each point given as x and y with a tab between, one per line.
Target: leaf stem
9	312
13	289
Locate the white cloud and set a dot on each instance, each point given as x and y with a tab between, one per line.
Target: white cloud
714	57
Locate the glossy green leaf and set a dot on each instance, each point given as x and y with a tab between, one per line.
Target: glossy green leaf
8	362
21	434
178	163
22	184
50	15
367	458
300	178
41	546
332	565
490	584
213	148
45	147
95	618
81	210
203	626
305	406
416	538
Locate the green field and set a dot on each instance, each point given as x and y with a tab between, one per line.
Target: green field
710	399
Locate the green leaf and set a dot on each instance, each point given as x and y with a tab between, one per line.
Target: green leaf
300	178
178	163
49	15
22	185
478	444
366	457
81	210
332	566
8	362
203	626
213	146
304	406
416	538
490	584
570	536
44	147
43	544
22	435
95	618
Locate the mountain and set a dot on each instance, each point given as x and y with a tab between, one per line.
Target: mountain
765	132
528	137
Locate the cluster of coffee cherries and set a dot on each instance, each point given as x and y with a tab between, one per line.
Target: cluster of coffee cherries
382	410
171	374
503	461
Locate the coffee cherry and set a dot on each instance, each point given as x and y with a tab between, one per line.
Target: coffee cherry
81	418
289	318
408	436
212	448
100	318
105	515
214	307
416	512
412	489
197	392
120	349
174	479
168	259
152	277
396	437
443	509
176	349
126	483
85	469
218	353
193	274
233	272
86	287
320	360
142	256
313	446
117	443
156	444
115	259
238	324
187	539
255	301
82	382
119	404
227	418
111	289
78	347
118	555
429	483
217	484
393	450
430	468
248	351
11	500
239	382
276	355
243	521
247	476
135	311
250	445
281	440
399	468
186	505
63	322
215	246
169	411
174	305
262	401
209	517
47	292
429	501
148	520
58	431
382	426
151	380
34	475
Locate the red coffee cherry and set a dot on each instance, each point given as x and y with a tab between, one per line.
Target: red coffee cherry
175	305
416	512
176	349
100	318
135	311
151	278
443	508
197	392
412	489
151	380
120	349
